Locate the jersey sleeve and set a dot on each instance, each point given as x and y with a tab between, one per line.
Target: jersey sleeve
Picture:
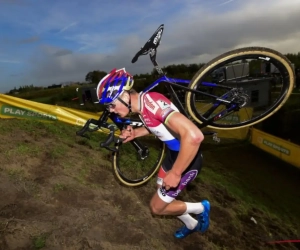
160	106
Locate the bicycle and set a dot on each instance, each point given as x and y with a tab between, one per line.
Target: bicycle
211	100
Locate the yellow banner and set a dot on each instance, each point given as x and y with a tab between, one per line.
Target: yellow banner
13	107
285	150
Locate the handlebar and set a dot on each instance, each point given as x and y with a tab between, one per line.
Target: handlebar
86	128
110	138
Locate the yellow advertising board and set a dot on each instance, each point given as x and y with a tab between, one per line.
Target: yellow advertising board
285	150
13	107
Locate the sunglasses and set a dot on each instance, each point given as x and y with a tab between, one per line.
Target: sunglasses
111	106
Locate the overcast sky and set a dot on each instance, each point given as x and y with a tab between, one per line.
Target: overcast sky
44	42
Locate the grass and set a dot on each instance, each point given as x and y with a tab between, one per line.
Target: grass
22	149
83	174
131	218
61	161
58	151
59	187
16	174
39	241
255	190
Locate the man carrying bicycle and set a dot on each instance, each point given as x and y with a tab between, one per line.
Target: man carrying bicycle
183	160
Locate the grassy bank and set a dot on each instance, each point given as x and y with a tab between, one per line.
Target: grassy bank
58	192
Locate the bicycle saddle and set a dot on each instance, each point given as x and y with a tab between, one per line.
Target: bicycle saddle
151	44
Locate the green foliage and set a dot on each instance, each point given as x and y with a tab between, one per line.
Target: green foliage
24	89
294	58
95	76
66	93
39	242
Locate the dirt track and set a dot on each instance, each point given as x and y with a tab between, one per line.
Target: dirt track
58	192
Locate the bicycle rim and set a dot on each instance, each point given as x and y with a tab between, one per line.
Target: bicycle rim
128	166
264	97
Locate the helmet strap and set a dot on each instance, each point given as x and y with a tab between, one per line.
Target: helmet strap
125	104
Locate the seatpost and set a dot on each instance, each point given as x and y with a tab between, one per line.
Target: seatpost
152	53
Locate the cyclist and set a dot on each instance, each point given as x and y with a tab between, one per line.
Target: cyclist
183	160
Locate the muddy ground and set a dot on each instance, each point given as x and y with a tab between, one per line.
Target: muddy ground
57	191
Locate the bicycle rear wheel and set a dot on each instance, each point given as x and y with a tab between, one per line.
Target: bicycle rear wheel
263	77
133	167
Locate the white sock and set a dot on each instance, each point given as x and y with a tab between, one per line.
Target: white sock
194	208
188	220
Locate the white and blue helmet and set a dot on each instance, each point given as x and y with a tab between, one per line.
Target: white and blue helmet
113	85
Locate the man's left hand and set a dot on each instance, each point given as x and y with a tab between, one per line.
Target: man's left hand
171	180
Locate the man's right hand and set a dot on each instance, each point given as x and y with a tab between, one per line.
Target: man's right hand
128	134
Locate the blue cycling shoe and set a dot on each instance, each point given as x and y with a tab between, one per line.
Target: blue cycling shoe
203	218
184	231
202	226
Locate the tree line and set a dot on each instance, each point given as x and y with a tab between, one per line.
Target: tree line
295	59
182	71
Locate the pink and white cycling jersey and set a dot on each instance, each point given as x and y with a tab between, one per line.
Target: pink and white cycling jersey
155	111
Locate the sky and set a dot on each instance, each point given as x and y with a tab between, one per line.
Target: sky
49	42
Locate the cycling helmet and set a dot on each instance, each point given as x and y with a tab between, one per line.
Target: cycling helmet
113	85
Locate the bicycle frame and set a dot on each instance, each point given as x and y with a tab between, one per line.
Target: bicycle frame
168	83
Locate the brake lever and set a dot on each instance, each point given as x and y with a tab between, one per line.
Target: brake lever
114	149
86	128
111	138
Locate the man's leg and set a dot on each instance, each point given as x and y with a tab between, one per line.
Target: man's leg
163	203
178	208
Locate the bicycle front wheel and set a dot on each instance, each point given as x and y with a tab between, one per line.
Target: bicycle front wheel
262	79
137	161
